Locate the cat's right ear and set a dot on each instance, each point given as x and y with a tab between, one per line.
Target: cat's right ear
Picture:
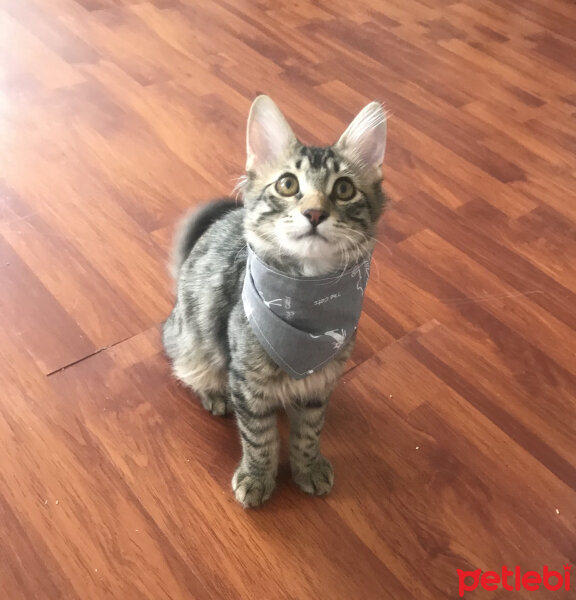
268	134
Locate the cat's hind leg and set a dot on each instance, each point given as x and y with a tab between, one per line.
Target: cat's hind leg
204	372
209	382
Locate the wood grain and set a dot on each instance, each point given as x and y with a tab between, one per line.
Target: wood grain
453	432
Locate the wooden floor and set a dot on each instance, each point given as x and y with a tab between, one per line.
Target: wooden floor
453	434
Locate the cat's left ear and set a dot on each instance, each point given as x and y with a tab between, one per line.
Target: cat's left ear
365	139
268	135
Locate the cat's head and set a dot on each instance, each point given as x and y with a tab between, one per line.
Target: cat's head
316	208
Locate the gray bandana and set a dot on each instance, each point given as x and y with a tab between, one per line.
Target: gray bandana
302	322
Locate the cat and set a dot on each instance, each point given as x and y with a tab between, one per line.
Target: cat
307	212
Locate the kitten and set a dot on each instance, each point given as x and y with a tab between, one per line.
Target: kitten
307	211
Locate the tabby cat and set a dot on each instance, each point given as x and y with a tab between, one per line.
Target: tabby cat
308	212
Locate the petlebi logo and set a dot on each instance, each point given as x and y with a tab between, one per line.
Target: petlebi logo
514	580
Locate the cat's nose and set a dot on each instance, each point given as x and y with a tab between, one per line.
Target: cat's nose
315	216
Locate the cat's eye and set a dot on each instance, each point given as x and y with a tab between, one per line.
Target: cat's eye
343	189
287	185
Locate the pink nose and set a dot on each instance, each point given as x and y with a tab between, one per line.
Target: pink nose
315	216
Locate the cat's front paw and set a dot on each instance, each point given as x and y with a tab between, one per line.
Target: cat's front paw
316	479
252	489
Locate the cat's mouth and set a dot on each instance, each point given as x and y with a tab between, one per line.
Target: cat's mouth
313	233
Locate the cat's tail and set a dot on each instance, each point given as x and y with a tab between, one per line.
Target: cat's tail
191	228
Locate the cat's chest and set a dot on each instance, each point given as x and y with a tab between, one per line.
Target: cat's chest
286	389
268	379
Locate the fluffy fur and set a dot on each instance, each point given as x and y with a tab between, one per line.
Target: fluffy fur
207	336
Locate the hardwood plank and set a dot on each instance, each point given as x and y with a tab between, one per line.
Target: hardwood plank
75	513
515	270
45	25
197	485
525	317
453	430
34	315
415	434
98	308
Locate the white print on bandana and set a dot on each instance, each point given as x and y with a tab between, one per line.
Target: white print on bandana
269	303
286	302
338	335
357	272
327	299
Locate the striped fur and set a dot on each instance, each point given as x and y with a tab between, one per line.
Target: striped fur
207	337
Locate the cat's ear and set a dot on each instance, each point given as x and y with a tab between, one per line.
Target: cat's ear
365	139
268	134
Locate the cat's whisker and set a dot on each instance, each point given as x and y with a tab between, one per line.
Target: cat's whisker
357	243
377	241
364	252
241	183
375	262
